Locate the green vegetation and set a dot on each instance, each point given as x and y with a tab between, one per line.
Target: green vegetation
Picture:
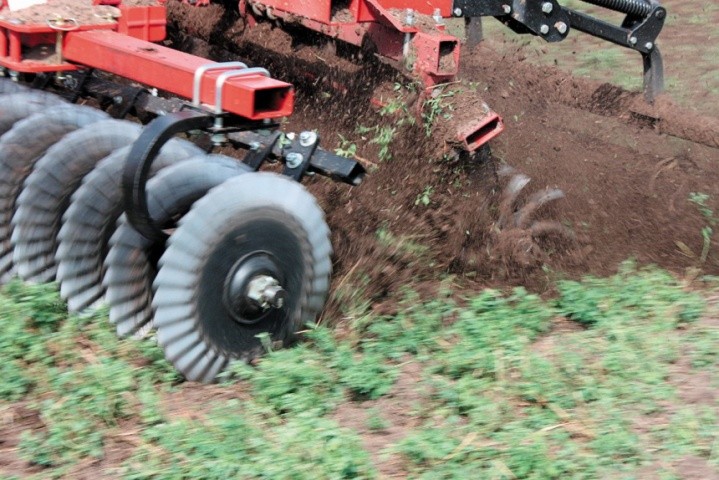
498	386
700	200
380	136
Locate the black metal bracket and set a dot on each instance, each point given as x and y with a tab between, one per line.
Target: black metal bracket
123	102
139	162
298	153
322	162
260	149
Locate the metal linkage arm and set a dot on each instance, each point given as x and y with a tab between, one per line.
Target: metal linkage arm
551	21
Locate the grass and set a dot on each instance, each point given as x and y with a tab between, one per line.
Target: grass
497	393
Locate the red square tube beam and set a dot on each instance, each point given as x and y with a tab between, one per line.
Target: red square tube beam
255	97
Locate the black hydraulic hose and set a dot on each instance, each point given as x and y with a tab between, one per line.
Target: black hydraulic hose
640	8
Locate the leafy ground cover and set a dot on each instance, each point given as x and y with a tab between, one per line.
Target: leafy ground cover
614	378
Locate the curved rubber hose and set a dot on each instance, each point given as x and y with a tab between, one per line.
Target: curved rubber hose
129	268
91	219
21	147
231	215
16	106
47	191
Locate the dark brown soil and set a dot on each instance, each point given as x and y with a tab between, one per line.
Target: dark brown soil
626	169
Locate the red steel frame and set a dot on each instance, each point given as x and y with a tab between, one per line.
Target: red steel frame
125	48
417	38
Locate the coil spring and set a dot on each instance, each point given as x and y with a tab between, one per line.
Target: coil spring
640	8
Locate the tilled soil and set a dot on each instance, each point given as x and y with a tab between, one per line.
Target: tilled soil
627	170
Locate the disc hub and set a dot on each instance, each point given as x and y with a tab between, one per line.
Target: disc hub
253	288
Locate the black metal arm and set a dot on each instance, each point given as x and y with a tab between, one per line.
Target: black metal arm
551	21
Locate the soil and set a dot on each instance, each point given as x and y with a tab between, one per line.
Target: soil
626	170
74	12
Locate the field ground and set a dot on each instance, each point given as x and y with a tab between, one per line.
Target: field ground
446	351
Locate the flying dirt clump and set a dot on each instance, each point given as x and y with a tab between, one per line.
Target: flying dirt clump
518	236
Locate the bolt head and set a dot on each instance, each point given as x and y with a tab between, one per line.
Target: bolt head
660	13
457	12
294	159
308	138
633	40
649	45
561	27
507	9
544	29
547	7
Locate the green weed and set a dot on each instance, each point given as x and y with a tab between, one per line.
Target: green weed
380	136
346	148
700	200
244	440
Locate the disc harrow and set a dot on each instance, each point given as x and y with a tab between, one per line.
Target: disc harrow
219	257
131	263
91	218
244	261
89	201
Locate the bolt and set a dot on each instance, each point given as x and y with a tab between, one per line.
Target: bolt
544	29
255	146
561	27
649	45
507	9
457	12
308	138
117	100
291	136
294	159
437	16
547	7
660	13
409	19
633	40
